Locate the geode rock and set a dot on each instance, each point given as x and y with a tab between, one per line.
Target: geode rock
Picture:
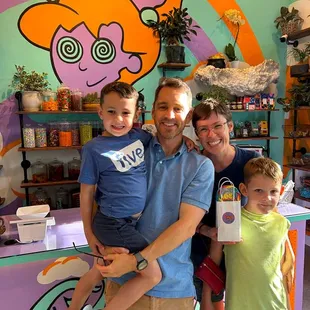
240	82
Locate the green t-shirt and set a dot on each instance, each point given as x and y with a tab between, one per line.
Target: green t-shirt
253	267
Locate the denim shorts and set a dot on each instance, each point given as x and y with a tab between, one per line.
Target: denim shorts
118	232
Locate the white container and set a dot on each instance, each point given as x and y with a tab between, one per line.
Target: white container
33	212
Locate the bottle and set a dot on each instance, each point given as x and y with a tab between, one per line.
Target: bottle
74	167
39	172
62	199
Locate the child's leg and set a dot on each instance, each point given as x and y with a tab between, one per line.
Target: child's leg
135	288
84	287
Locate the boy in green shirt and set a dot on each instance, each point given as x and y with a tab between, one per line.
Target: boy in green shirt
254	280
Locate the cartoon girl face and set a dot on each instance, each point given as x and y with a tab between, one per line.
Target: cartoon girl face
88	63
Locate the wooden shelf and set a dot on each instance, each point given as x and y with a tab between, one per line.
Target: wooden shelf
300	108
258	110
64	182
173	66
57	112
297	196
303	168
49	148
297	138
299	34
302	75
254	138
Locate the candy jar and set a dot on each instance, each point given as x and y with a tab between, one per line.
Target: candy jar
74	167
39	172
62	199
75	133
53	134
85	132
39	197
64	98
65	134
29	137
49	101
56	170
76	100
95	129
40	136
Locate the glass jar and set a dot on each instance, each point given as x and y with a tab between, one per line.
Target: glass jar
56	170
64	98
85	132
29	137
62	199
49	101
95	129
65	134
76	100
74	167
40	197
39	172
40	136
53	134
75	133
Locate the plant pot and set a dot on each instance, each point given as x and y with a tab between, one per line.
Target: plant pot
217	63
290	27
175	54
296	70
32	101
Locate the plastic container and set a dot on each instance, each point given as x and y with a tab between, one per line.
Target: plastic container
76	100
29	137
56	170
64	98
39	172
40	136
65	134
53	134
50	102
74	167
75	133
40	197
85	132
62	199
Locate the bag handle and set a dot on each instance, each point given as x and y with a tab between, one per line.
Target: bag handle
226	180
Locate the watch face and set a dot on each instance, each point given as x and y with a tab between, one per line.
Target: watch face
142	265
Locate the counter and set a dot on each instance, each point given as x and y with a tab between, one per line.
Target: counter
43	274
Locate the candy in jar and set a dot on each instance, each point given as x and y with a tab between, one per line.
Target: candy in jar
29	137
74	167
49	101
75	134
64	98
39	172
53	134
40	136
86	133
76	100
65	134
56	170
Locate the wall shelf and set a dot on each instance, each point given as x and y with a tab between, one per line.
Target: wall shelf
297	196
57	112
169	66
49	148
254	138
299	34
297	138
300	108
258	110
31	184
303	168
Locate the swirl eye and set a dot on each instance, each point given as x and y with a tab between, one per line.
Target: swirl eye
69	50
103	51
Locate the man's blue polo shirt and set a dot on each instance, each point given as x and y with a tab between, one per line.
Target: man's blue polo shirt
183	177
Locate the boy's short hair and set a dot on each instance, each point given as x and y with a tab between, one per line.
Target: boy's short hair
124	90
262	166
204	109
175	83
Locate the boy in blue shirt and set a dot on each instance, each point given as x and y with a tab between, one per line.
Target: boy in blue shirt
113	168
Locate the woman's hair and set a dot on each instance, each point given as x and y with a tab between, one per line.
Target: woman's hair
204	109
262	166
124	90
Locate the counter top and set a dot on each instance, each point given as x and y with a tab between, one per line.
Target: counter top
68	229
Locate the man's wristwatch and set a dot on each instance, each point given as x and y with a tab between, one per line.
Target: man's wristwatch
142	263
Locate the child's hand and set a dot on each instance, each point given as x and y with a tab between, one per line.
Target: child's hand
190	144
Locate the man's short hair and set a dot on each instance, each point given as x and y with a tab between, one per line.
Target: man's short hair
262	166
204	109
175	83
124	90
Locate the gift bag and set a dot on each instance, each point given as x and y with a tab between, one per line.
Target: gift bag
228	211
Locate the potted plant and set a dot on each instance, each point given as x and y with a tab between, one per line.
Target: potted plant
173	29
215	92
301	56
300	94
31	84
91	102
288	21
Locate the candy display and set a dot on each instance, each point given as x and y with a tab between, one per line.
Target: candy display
40	197
49	101
65	134
29	137
85	132
56	170
39	172
74	167
75	134
76	100
53	135
64	98
40	137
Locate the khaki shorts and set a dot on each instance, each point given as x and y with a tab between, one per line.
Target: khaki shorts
151	303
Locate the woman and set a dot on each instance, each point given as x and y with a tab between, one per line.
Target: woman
212	121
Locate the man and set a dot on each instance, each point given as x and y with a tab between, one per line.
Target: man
180	185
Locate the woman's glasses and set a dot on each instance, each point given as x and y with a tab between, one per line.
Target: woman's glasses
217	129
100	260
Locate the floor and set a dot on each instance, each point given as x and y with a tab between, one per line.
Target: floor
306	299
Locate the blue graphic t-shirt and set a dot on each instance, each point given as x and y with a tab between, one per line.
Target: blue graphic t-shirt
116	165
